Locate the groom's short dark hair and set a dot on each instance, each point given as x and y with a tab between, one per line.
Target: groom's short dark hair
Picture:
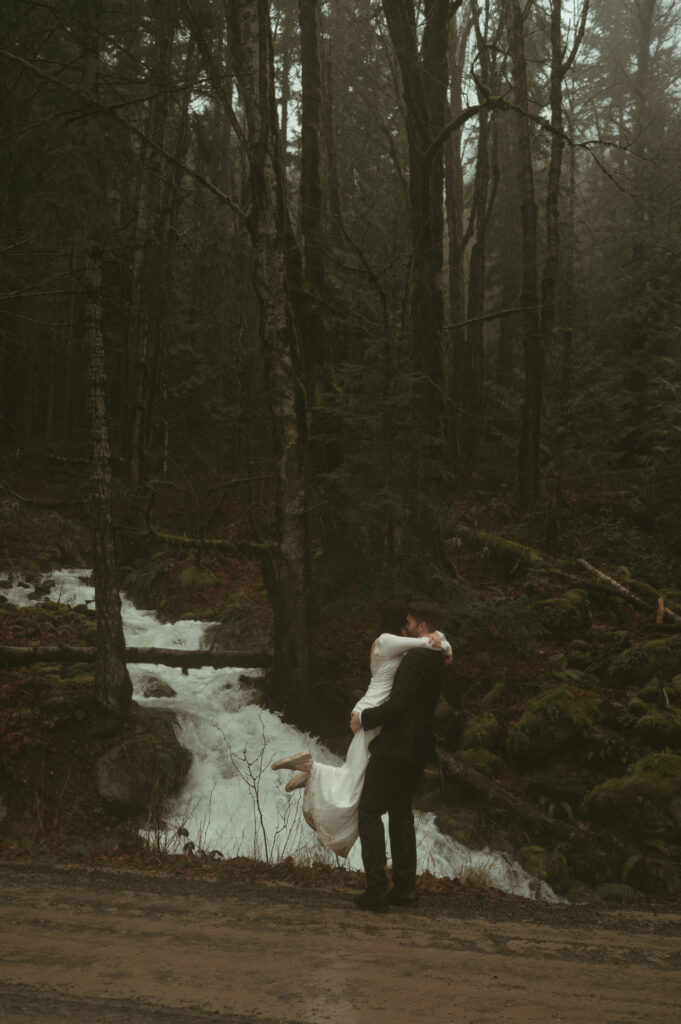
426	611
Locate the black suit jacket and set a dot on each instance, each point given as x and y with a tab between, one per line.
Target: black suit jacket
407	715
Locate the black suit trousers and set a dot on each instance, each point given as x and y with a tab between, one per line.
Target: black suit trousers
389	786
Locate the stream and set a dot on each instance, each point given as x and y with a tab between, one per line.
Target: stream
231	801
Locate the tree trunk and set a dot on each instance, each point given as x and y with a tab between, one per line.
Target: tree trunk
271	238
533	349
113	689
551	263
319	372
424	78
454	205
153	296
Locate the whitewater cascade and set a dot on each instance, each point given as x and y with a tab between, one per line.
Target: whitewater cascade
231	801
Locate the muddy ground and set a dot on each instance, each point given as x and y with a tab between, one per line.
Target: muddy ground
107	946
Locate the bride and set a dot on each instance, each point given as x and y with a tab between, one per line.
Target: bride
332	792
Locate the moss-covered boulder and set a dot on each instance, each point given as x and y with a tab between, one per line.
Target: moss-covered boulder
549	865
654	875
481	760
447	723
556	719
461	825
560	789
137	775
197	578
567	617
652	784
654	659
614	892
655	714
481	731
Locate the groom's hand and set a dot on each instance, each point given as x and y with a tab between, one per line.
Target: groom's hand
355	721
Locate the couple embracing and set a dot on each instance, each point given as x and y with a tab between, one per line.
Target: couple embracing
393	740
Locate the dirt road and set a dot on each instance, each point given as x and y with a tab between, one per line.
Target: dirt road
107	947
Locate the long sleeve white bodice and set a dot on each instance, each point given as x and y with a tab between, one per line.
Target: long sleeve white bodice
386	655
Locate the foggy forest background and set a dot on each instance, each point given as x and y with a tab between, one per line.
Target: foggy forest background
353	262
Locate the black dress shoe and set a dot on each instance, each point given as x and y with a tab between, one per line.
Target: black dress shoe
368	901
402	899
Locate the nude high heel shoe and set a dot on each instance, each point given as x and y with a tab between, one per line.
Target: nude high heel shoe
295	761
297	782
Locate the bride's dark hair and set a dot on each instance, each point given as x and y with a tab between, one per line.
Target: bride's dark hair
393	617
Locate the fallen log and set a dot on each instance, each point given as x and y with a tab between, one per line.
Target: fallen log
496	794
662	611
15	657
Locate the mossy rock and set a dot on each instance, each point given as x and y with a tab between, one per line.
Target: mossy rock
655	719
654	659
86	680
653	875
548	865
567	617
79	668
556	719
652	783
139	774
197	577
447	723
481	760
481	731
460	825
613	892
660	728
560	787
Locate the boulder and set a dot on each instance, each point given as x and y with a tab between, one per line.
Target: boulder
552	721
636	666
641	797
655	875
567	617
550	866
483	761
481	731
447	723
613	892
152	686
137	775
197	578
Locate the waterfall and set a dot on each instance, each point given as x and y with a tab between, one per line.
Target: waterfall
231	801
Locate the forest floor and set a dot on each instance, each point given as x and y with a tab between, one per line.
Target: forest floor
107	946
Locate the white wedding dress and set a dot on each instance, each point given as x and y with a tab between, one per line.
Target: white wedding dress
332	793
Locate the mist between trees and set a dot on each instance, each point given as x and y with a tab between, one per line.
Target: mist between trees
356	255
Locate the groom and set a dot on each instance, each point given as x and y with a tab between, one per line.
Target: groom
398	756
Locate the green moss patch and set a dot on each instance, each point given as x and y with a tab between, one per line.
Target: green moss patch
481	731
556	719
549	865
481	760
652	783
567	617
196	577
655	659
